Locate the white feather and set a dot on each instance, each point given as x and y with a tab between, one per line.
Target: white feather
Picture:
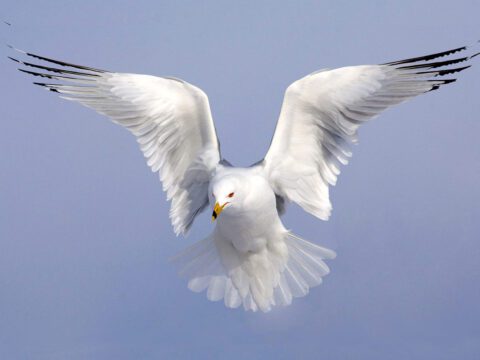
250	259
320	117
173	125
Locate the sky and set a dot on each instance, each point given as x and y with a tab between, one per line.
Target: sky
84	231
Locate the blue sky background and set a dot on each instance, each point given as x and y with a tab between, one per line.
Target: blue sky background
84	230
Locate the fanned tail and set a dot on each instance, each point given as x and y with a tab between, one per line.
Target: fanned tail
201	265
256	281
304	269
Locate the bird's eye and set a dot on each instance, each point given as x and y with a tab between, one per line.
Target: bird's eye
231	194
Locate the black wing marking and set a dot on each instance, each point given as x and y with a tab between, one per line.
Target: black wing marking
76	75
57	62
413	67
427	57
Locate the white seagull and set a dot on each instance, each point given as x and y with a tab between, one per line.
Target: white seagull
250	258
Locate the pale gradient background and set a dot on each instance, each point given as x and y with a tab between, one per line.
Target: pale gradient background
84	230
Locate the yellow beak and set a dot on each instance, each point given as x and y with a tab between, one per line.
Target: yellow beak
217	209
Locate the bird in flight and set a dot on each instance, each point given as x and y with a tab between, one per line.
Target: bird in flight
250	258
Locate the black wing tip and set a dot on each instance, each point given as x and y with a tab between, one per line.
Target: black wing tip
446	81
436	64
452	71
444	71
47	86
427	57
36	73
15	60
425	68
58	62
64	63
40	83
56	70
476	54
443	82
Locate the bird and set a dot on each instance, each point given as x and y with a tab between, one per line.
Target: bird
250	259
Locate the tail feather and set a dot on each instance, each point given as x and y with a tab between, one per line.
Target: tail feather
307	259
201	264
232	297
256	281
282	293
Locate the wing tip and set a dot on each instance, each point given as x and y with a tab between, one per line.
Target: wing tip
57	62
47	87
426	57
440	83
13	59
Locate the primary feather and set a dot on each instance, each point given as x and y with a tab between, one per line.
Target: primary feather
250	259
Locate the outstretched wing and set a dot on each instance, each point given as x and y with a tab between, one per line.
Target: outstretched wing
322	112
170	118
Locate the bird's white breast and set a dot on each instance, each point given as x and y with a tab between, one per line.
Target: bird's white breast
252	221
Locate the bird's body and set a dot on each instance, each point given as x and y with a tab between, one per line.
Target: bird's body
258	261
250	258
253	223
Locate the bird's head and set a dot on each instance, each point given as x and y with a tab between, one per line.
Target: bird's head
225	193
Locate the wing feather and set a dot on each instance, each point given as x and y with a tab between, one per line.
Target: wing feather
170	118
321	114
